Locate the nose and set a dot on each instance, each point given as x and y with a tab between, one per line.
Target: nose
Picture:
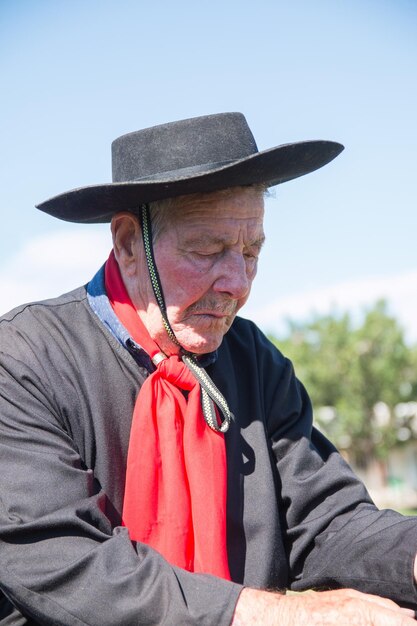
232	276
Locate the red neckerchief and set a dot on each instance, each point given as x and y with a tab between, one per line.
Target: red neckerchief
175	492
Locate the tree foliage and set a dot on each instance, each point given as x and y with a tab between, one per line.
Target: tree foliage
362	379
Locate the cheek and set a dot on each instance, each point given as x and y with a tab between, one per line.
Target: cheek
251	274
251	268
184	285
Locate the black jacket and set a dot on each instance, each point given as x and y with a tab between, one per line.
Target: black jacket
297	516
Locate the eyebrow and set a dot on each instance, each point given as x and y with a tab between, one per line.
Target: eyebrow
201	240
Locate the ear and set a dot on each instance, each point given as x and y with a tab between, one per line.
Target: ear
126	233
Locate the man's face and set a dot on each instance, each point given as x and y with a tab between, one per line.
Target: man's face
206	255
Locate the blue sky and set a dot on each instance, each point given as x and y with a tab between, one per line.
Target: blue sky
76	74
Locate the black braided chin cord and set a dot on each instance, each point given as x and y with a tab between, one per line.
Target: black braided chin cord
210	395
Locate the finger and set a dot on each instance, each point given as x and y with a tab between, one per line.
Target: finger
383	607
389	604
400	617
358	595
381	601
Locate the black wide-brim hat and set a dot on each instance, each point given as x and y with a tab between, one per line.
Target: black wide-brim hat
197	155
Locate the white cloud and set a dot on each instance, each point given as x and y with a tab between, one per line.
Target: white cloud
52	264
400	290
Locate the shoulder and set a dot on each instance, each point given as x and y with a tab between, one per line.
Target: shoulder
37	326
248	352
286	402
248	340
58	305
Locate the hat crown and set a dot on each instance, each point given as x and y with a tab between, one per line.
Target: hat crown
188	144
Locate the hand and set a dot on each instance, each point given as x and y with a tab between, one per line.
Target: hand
343	607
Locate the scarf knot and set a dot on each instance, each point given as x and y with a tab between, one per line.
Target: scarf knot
175	372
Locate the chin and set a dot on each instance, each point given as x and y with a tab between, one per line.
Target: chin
201	345
204	340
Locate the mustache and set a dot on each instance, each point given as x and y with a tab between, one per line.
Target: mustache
223	306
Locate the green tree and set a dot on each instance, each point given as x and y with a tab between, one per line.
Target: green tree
356	375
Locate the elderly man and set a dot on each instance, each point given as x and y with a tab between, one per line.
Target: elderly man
158	463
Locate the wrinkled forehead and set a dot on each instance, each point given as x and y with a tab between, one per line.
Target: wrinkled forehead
230	216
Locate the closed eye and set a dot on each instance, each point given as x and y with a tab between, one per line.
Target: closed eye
253	251
206	253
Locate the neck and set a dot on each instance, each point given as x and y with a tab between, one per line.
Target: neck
152	320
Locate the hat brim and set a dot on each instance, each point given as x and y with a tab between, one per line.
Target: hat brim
98	203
